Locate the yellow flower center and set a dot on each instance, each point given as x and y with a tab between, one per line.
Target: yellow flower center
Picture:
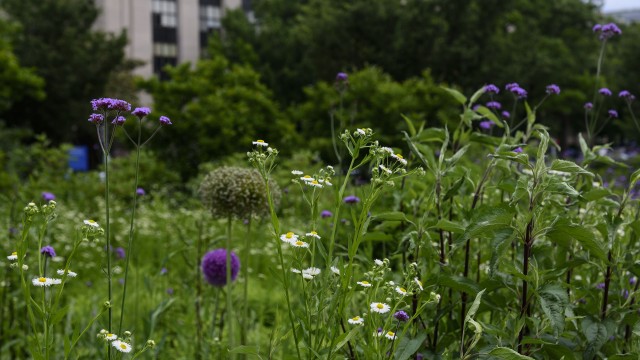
365	282
92	221
14	254
403	290
399	156
109	335
380	306
313	233
307	176
289	235
123	346
355	318
299	243
42	280
315	182
391	333
260	141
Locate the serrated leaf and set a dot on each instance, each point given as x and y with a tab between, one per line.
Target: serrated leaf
570	167
596	194
596	334
449	226
499	244
407	346
587	238
553	300
390	216
486	219
456	95
458	283
508	354
474	307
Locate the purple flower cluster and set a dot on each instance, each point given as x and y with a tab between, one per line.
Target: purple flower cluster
606	31
625	94
214	267
492	89
604	92
517	150
613	114
118	121
506	114
351	199
48	251
401	316
486	124
96	118
141	112
140	192
165	121
553	89
515	89
326	214
342	77
121	253
494	105
47	196
110	104
588	106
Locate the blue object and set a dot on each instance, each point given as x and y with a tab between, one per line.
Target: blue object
79	158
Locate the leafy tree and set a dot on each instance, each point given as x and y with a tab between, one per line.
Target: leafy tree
56	38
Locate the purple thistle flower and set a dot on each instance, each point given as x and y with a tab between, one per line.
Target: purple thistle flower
588	106
48	251
625	94
141	112
506	114
120	253
494	105
96	118
165	121
342	77
491	88
510	86
140	192
119	120
214	267
47	196
517	150
351	199
553	89
401	316
613	114
326	214
486	124
604	92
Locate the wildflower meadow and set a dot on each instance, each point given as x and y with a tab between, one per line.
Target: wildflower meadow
477	237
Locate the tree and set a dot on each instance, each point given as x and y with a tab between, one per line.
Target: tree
57	40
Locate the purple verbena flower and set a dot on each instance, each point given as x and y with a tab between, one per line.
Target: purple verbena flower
141	112
119	105
517	150
553	89
163	271
47	196
96	118
120	253
214	267
510	86
492	89
625	293
165	121
119	121
48	251
486	124
326	214
600	286
475	107
342	77
519	92
140	192
588	106
613	114
625	94
506	114
633	280
605	92
351	199
401	316
100	104
607	31
494	105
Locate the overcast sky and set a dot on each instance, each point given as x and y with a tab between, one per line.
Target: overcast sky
613	5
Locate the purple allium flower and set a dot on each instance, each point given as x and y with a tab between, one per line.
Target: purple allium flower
141	112
96	118
510	86
140	192
48	251
165	121
401	316
214	267
607	30
351	199
170	291
506	114
486	124
605	92
47	196
491	88
326	214
517	150
625	94
120	253
342	77
612	113
588	106
494	105
119	120
553	89
600	286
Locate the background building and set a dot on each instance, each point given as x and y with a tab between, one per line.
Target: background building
164	32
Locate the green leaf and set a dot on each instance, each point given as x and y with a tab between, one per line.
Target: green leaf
634	177
415	151
499	244
390	216
454	159
458	283
453	190
596	194
59	314
489	115
486	219
554	300
376	236
408	346
508	354
563	228
449	226
596	334
412	129
485	139
456	95
346	337
245	349
431	135
476	96
474	307
570	167
531	116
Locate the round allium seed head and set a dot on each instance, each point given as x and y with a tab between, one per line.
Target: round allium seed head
214	267
238	192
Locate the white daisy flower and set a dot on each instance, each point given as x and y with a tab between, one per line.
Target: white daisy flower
289	237
299	244
356	320
400	290
111	337
296	271
296	172
121	346
43	281
313	234
307	276
13	256
91	223
388	150
259	143
313	271
385	169
56	281
378	262
399	158
314	183
390	335
419	283
380	308
335	270
69	273
307	178
325	182
364	283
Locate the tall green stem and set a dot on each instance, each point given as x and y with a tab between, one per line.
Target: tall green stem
229	286
105	154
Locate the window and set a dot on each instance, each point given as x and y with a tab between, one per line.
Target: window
165	34
210	16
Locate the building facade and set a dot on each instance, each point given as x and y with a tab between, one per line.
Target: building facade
163	32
